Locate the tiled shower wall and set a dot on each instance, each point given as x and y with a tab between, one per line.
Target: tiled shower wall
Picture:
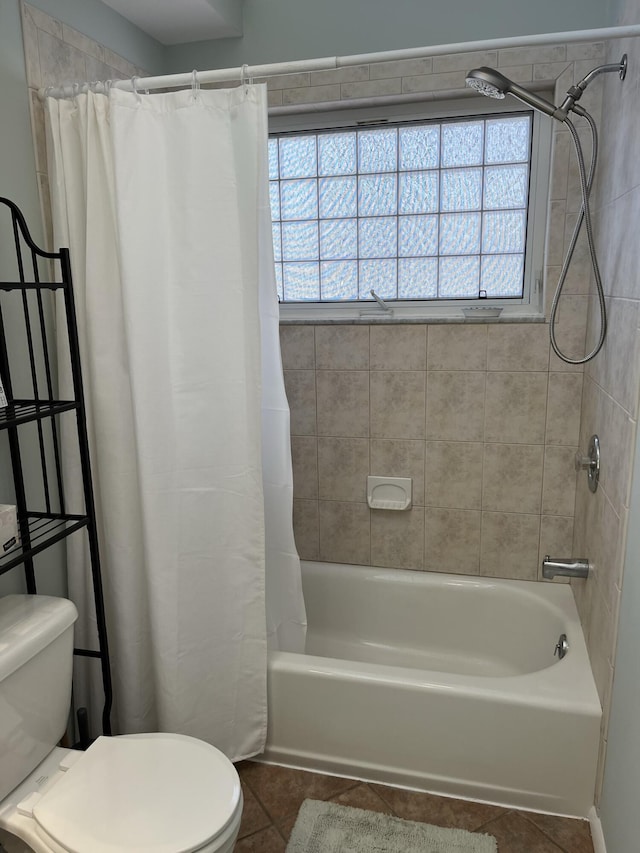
483	418
612	380
472	413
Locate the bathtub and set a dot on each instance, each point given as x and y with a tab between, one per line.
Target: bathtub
440	683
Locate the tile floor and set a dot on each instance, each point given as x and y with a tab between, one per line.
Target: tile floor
273	796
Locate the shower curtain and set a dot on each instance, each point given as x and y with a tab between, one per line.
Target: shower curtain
163	201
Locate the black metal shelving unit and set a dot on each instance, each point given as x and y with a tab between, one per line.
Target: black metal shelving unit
42	526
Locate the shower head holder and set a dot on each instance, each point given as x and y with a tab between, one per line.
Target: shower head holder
489	82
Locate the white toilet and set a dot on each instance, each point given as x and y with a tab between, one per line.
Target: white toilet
147	793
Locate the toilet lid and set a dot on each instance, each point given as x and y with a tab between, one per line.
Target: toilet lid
164	793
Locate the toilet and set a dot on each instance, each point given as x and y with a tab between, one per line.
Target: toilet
165	793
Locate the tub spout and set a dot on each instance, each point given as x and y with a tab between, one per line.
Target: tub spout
552	566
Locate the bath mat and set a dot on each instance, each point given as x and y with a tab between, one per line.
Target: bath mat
329	828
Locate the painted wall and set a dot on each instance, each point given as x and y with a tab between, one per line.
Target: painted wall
281	30
18	183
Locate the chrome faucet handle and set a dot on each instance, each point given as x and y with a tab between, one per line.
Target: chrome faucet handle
590	463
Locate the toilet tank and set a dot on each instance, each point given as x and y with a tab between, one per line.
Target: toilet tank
36	659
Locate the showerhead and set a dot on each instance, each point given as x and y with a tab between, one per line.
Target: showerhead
490	82
493	84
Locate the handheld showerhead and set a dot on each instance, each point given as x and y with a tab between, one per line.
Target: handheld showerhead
488	82
492	83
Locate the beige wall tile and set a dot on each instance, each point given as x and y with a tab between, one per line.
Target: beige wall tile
59	62
371	89
397	404
586	50
515	408
311	94
454	474
343	466
398	347
298	347
548	70
510	545
342	347
304	458
286	81
455	405
452	541
83	43
97	70
464	61
345	533
560	164
554	252
563	408
343	403
600	640
522	55
400	458
397	538
348	74
42	21
523	346
305	529
556	540
400	68
559	485
512	480
457	347
31	50
452	81
300	386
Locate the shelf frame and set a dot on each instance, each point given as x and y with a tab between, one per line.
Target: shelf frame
39	529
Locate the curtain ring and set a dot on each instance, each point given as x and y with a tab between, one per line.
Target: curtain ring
134	86
195	84
245	79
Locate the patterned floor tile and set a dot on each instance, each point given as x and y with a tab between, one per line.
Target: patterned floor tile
282	790
441	811
514	834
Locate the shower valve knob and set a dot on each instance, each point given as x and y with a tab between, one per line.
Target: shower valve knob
590	463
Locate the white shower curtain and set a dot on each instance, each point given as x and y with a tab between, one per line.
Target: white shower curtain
163	201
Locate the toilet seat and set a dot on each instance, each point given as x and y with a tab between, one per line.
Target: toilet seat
163	792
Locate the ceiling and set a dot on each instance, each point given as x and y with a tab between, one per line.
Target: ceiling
177	21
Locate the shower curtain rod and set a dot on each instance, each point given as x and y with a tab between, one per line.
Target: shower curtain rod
329	63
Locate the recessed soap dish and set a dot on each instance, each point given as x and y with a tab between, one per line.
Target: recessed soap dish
480	312
389	492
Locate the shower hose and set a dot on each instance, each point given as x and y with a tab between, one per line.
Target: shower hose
584	215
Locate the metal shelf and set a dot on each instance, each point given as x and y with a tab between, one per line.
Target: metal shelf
44	530
27	411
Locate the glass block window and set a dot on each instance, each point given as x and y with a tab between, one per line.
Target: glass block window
432	210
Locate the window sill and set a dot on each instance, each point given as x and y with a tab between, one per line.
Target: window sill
323	318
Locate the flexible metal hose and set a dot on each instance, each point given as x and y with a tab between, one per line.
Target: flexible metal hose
586	182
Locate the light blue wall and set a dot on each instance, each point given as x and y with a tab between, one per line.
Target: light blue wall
104	25
18	183
282	30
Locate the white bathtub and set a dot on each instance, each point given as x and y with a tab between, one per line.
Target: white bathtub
442	683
